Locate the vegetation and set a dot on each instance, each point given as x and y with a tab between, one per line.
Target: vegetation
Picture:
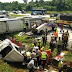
68	56
54	5
23	39
15	15
4	67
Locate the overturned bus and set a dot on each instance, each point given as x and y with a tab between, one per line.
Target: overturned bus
9	51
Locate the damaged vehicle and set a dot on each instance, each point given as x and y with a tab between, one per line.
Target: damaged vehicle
9	51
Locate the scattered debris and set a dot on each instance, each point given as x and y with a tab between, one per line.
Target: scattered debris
21	34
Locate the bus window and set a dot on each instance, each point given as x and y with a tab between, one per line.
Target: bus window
5	51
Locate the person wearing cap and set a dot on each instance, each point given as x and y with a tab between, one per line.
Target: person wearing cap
31	66
59	45
43	58
48	54
31	48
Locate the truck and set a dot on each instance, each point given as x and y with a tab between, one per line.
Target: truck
64	18
10	25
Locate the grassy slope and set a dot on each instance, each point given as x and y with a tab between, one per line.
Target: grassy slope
16	15
4	67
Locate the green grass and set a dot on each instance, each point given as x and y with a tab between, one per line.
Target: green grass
28	12
23	39
68	56
16	15
4	67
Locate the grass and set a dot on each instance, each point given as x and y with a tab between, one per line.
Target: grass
16	15
4	67
68	56
23	39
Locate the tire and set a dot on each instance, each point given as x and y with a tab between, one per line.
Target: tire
41	32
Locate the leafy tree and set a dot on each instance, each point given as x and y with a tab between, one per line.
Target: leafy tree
25	1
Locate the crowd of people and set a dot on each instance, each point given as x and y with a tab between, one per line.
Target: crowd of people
37	56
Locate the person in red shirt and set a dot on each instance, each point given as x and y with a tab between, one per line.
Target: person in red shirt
48	53
19	44
41	23
13	40
62	27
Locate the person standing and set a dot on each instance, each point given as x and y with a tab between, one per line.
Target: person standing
67	33
61	27
60	65
33	56
35	41
37	56
48	54
55	35
12	40
43	58
52	43
63	35
19	44
46	32
59	45
65	40
28	56
43	38
24	27
39	42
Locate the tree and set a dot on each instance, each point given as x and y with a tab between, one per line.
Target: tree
25	1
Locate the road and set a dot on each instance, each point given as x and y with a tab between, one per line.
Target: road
60	35
28	14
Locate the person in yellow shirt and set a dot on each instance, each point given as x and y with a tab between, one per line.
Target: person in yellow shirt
60	65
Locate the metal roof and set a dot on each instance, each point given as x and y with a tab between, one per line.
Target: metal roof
7	19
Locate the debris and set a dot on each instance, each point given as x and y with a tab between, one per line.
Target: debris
21	34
